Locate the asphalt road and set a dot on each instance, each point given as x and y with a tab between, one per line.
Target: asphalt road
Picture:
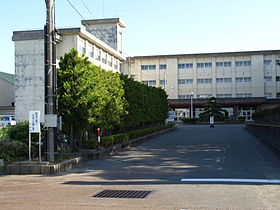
226	151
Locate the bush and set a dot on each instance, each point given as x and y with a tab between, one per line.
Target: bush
13	150
108	141
189	120
241	119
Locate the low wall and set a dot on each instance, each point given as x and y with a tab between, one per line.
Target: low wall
267	133
21	168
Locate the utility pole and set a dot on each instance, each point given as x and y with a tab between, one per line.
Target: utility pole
50	82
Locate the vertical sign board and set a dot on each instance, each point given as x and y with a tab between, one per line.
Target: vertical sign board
34	127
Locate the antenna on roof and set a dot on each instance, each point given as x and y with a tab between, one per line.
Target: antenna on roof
103	9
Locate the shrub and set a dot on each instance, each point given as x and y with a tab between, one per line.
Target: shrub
13	150
108	141
189	120
241	119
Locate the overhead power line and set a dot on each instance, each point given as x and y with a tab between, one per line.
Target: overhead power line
87	8
77	11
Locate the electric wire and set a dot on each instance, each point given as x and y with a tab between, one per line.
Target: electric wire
77	11
87	8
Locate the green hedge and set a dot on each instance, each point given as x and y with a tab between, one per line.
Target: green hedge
189	120
13	150
108	141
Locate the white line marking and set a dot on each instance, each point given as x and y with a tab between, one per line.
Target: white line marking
269	181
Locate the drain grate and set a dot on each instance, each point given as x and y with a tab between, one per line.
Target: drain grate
122	194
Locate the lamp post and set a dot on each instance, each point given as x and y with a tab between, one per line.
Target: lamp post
191	110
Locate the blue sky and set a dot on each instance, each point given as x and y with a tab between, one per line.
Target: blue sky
157	26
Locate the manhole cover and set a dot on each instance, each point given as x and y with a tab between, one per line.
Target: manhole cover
122	194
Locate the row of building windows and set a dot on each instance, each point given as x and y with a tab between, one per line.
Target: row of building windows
227	95
98	54
209	81
224	64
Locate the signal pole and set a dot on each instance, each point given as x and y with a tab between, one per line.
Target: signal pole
50	81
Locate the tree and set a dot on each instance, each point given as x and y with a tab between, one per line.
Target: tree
212	108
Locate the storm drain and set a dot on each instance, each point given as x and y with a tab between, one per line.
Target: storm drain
122	194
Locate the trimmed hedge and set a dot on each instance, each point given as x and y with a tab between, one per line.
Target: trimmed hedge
108	141
189	120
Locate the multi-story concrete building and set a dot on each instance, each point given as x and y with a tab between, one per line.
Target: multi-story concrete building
254	75
101	41
6	93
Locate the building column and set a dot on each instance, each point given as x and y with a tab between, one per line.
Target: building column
235	112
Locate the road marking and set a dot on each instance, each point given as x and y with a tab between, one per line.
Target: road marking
268	181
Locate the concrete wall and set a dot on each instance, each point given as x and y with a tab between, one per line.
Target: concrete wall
267	133
7	94
29	78
107	33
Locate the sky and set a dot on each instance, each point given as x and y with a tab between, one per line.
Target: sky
156	27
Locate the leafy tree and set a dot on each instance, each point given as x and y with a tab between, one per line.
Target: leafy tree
212	108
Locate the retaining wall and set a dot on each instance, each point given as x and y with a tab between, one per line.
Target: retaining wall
267	133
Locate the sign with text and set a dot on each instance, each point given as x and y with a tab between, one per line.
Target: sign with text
34	122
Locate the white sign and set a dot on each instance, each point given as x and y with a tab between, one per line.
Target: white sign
34	121
211	119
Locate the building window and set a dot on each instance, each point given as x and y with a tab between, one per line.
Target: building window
247	79
162	83
110	60
227	64
208	65
185	81
204	81
82	46
223	80
149	82
219	80
247	63
185	65
268	95
243	95
219	64
104	57
278	95
267	62
162	66
182	96
224	95
200	65
243	79
204	96
277	78
242	63
90	50
148	67
204	65
278	62
238	63
97	54
268	79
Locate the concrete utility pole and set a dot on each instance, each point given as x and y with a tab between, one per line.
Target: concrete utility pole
50	82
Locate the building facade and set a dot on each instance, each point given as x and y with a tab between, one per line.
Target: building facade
230	75
103	51
6	93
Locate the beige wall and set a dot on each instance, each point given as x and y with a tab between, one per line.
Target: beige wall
257	71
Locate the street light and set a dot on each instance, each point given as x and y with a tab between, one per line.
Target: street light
191	94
